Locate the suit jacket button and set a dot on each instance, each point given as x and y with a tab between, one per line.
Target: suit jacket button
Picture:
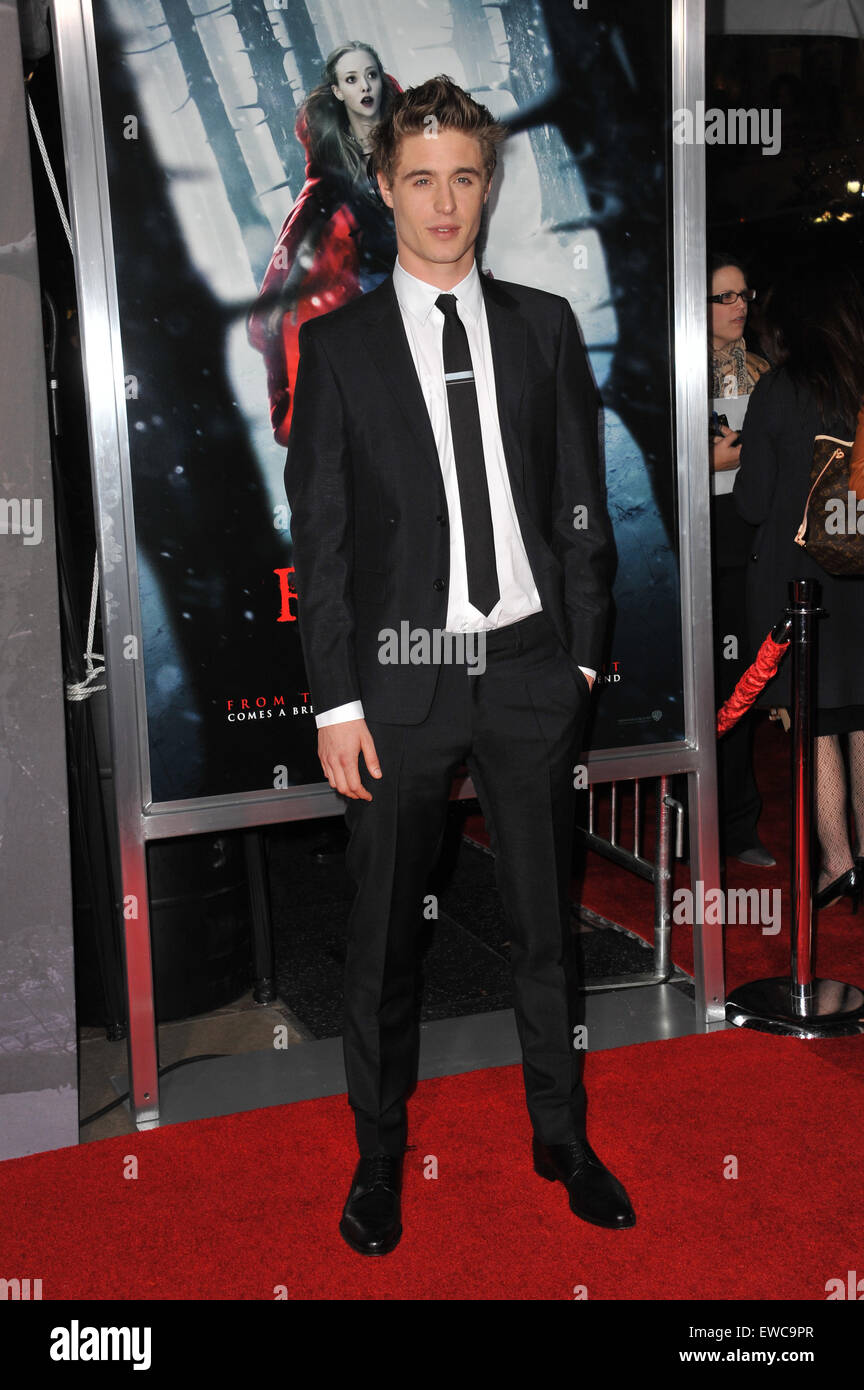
440	520
754	556
438	584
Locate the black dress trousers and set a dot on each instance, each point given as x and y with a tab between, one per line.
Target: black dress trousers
518	726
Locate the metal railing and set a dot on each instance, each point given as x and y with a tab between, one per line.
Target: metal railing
658	872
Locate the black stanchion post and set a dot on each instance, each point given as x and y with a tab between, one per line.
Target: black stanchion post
801	1005
804	612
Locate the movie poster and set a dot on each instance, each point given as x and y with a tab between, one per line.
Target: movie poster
241	205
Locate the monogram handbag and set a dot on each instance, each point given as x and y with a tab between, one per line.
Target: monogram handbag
832	528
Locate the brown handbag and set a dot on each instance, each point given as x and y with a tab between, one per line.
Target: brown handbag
832	528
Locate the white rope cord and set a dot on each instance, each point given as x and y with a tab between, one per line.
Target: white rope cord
50	173
75	690
82	690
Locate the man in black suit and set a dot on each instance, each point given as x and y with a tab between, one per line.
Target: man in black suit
444	481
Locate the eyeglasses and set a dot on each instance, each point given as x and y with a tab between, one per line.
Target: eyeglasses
730	296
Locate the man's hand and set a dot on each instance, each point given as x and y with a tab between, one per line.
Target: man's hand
589	679
339	747
723	454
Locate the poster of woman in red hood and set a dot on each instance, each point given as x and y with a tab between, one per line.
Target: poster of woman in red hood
339	240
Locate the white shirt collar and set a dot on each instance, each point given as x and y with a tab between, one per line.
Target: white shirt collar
418	296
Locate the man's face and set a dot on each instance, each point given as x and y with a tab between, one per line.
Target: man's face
437	196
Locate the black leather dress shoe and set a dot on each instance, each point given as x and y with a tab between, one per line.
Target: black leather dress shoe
595	1195
757	855
372	1220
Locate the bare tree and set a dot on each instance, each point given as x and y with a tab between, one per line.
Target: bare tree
472	40
608	103
560	188
204	90
304	43
275	94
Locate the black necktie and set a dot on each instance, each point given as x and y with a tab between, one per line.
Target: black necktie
483	588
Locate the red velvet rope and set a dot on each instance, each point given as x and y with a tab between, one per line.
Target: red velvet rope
754	680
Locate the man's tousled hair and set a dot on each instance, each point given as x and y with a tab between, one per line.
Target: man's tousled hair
434	105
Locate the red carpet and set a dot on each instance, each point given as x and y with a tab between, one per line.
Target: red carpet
620	896
231	1208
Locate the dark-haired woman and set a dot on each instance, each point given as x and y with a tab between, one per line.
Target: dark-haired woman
734	371
339	239
817	388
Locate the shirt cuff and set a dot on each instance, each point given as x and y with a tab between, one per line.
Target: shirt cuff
586	671
339	714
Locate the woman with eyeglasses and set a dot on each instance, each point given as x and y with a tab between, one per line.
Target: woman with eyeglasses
734	371
816	319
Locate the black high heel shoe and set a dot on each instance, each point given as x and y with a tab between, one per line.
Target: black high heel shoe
848	884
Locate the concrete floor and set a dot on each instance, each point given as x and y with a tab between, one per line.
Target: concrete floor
269	1061
237	1028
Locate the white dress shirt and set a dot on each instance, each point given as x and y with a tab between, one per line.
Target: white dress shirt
424	326
734	407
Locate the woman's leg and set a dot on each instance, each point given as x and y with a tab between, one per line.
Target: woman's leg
832	825
856	771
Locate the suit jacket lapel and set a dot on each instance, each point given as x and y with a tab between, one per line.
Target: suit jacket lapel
508	338
389	348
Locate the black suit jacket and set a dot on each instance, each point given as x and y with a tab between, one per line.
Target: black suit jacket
369	517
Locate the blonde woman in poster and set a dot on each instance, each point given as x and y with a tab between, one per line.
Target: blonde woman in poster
338	241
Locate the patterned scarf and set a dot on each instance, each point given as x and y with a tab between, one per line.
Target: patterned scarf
735	371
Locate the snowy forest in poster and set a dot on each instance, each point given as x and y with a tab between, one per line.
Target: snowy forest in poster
200	103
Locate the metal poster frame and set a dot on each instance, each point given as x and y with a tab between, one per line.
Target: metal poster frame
139	819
